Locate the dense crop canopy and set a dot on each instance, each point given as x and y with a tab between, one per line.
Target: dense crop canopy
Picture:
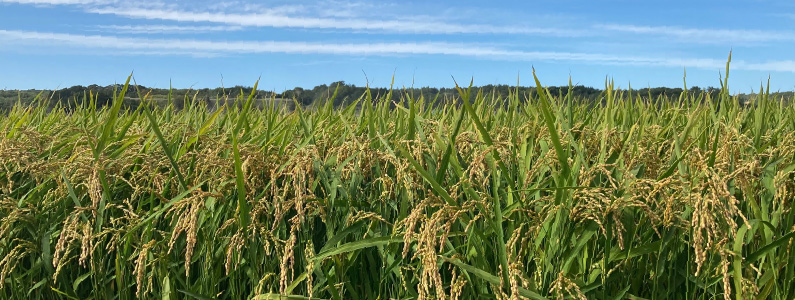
515	196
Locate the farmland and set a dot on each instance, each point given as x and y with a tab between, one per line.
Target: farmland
507	196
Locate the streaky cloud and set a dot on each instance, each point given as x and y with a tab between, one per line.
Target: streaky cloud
701	35
178	29
58	2
215	48
268	19
286	17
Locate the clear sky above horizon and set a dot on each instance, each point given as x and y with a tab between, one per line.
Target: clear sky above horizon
47	44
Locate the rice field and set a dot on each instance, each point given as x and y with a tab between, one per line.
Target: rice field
484	196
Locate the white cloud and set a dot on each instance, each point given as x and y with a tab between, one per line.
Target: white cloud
148	29
778	66
739	36
271	19
347	15
215	48
57	2
113	42
328	15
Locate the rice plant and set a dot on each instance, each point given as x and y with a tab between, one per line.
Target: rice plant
518	196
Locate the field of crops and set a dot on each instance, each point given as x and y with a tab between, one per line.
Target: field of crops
498	196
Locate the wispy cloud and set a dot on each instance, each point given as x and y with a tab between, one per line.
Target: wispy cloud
149	29
347	15
699	35
213	48
269	19
58	2
332	15
230	47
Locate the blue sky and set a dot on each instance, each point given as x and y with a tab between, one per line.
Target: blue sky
60	43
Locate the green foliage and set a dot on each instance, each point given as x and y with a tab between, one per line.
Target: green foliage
347	93
388	194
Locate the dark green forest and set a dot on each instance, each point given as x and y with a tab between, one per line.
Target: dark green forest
345	93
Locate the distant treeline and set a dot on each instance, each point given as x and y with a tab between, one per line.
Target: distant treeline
345	93
104	94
